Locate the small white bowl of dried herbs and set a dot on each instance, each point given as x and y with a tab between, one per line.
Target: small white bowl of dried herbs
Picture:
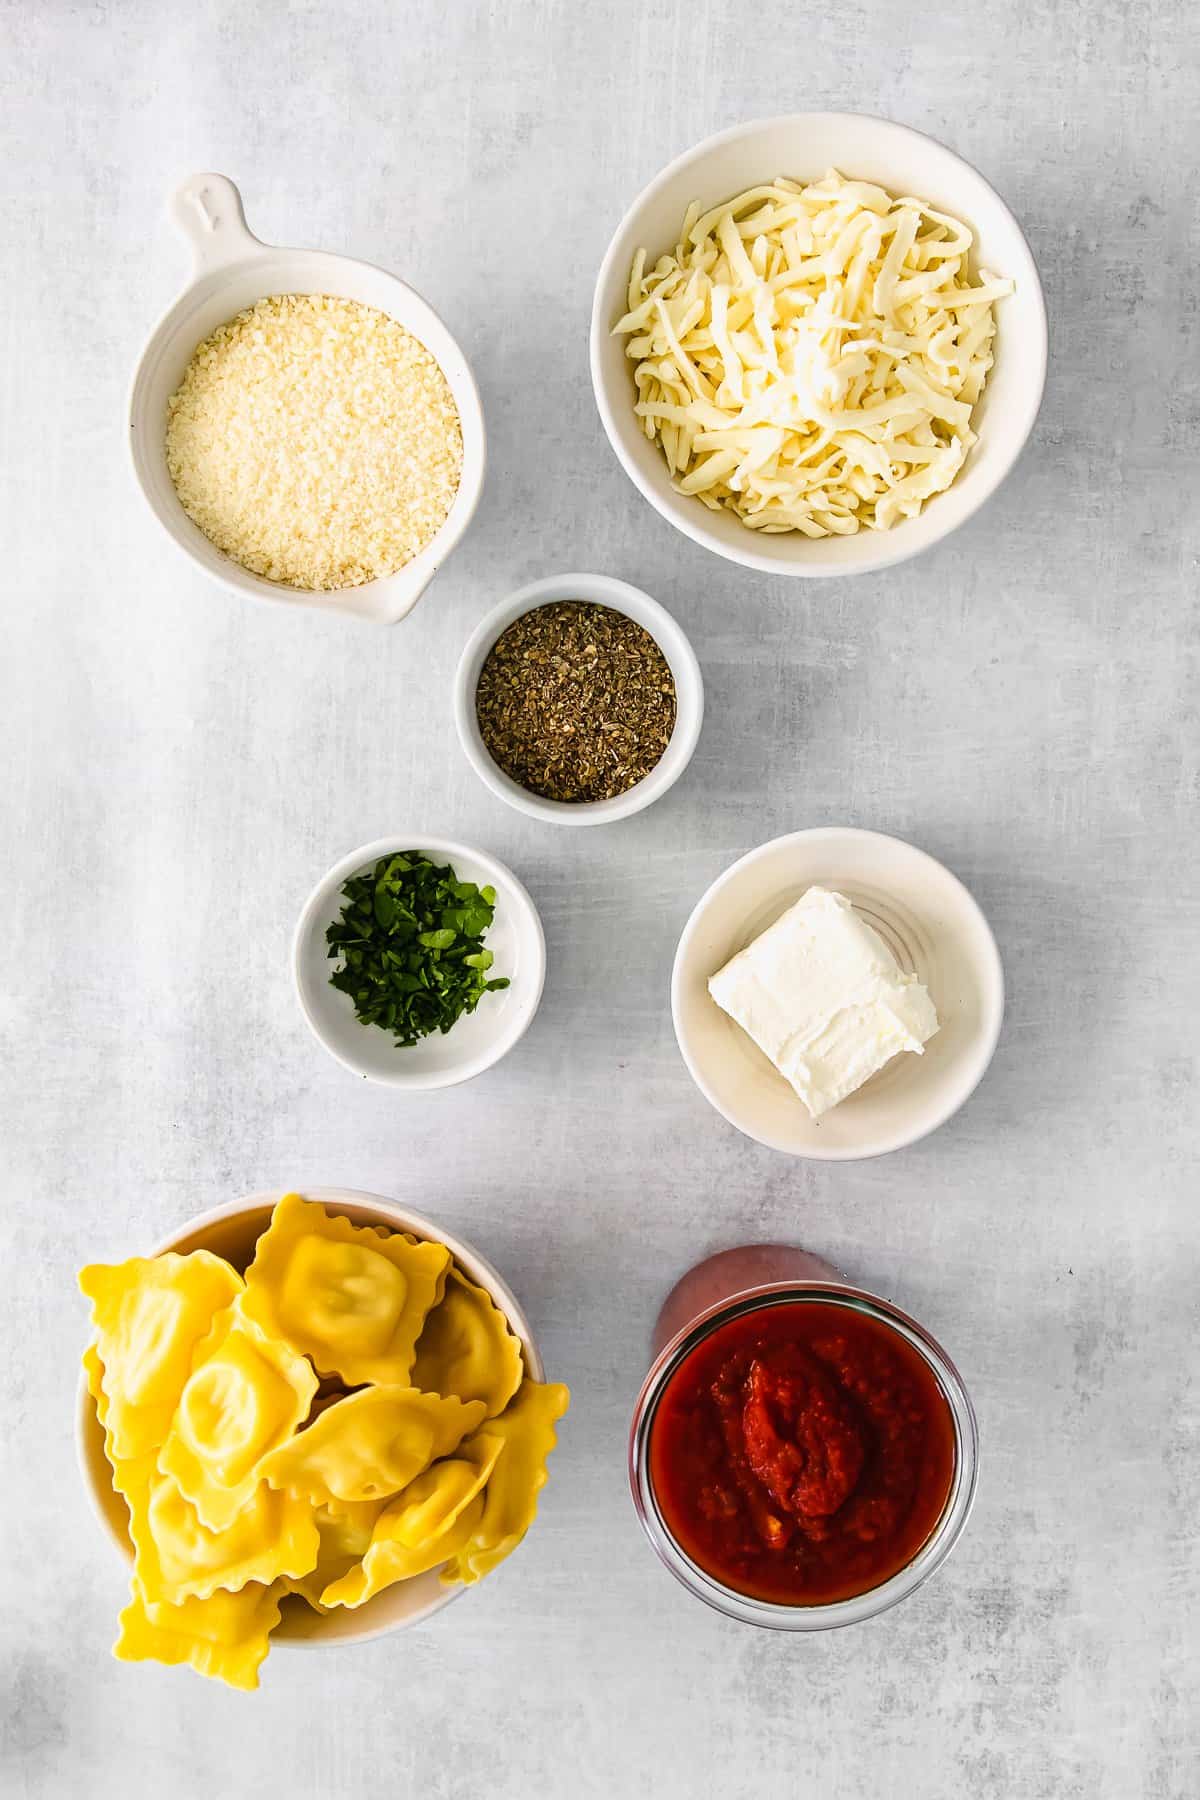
418	962
579	700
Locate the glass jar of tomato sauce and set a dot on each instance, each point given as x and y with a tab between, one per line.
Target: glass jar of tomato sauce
803	1454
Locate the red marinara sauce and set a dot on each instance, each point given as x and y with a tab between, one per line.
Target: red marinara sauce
802	1453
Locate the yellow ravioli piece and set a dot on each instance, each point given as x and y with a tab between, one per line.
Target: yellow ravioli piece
345	1539
226	1636
150	1313
246	1394
467	1348
370	1444
510	1500
93	1370
127	1475
352	1297
178	1558
436	1515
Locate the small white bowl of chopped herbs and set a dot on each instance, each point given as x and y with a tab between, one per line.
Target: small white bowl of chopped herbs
579	700
418	962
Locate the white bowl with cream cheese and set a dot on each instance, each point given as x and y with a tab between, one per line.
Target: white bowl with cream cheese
933	934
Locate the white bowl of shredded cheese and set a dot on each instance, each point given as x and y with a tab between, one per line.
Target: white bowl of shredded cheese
818	343
310	402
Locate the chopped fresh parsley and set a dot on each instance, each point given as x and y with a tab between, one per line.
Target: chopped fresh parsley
410	940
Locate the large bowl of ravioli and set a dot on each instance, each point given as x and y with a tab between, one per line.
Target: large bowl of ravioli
325	1229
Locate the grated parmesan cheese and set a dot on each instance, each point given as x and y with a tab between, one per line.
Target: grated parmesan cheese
810	356
315	441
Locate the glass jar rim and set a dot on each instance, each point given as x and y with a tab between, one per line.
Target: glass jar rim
875	1600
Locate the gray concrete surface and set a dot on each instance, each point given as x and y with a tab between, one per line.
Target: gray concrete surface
179	767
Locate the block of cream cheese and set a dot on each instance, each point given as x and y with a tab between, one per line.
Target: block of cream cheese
823	996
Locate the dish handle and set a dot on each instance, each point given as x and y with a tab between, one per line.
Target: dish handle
207	209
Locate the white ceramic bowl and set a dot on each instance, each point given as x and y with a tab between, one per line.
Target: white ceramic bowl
480	1038
232	1231
934	929
803	146
232	270
600	590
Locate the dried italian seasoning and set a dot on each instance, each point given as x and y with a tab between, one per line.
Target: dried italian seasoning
576	702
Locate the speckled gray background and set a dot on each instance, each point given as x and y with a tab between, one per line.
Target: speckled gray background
179	767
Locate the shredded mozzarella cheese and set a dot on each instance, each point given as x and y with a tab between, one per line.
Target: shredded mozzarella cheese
810	355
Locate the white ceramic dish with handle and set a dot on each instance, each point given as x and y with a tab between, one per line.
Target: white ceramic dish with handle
620	596
934	929
232	269
803	146
232	1232
478	1039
